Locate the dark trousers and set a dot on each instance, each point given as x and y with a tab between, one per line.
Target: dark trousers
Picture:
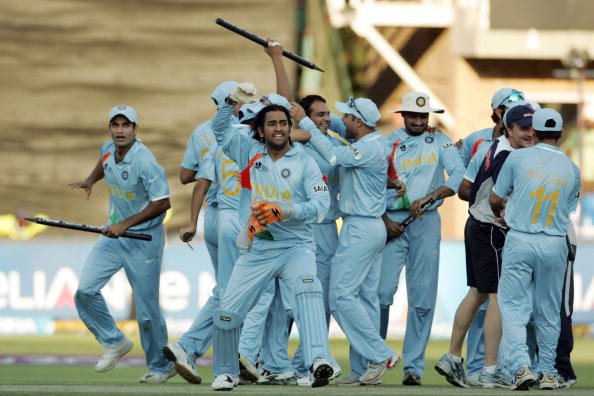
565	343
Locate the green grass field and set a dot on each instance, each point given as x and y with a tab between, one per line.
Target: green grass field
35	380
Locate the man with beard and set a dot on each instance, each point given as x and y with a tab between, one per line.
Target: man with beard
418	157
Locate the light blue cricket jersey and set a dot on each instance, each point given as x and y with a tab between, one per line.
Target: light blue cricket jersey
420	161
362	172
543	186
225	172
330	174
133	183
199	144
295	177
473	142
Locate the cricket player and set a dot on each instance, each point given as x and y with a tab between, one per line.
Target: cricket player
418	157
288	194
138	200
543	188
484	239
355	266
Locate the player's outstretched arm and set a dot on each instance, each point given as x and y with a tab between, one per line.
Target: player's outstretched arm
94	177
187	233
283	84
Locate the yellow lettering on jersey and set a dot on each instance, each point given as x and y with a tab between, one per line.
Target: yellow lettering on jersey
228	174
268	191
421	159
203	153
117	192
546	178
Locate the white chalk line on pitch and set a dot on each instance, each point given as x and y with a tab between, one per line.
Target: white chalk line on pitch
250	390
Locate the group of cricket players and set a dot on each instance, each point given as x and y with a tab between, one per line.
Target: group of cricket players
276	175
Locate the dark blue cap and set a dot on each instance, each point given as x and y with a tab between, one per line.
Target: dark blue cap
520	115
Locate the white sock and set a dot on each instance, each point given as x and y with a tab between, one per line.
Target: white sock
490	369
456	359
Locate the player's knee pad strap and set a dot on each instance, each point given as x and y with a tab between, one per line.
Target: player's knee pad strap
226	320
307	284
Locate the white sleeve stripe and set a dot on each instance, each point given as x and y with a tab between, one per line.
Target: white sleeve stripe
469	179
159	198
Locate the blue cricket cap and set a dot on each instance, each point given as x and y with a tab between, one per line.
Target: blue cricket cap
223	90
362	108
506	97
124	110
547	120
520	115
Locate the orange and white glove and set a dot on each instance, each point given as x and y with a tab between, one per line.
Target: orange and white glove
272	212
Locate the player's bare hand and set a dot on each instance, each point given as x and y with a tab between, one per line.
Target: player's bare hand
114	230
459	143
88	187
416	208
398	185
297	112
300	135
274	48
186	234
393	228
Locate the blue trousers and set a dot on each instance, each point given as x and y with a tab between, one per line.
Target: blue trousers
417	249
251	275
354	277
198	338
531	279
141	261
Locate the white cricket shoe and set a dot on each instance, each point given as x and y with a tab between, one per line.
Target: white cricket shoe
286	378
224	382
109	359
186	368
321	372
248	370
376	370
473	379
304	381
157	378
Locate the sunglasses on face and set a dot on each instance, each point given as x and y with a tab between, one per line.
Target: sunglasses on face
353	105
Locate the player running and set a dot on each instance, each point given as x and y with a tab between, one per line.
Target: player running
138	200
543	188
288	193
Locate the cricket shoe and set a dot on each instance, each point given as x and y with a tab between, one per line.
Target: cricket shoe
337	372
286	378
247	370
547	380
563	383
224	382
350	381
524	379
452	371
376	370
186	368
488	380
111	355
411	379
473	379
157	378
321	372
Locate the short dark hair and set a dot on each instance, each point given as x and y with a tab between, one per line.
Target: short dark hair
261	117
308	100
541	135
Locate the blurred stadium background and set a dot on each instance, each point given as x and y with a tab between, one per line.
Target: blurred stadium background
64	63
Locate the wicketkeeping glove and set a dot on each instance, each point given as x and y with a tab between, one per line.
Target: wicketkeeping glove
272	212
244	93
